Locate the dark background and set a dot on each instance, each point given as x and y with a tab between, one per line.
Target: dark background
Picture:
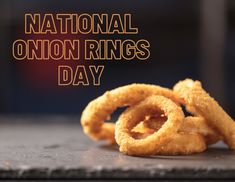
193	39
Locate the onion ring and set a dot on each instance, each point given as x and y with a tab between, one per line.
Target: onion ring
191	136
199	102
184	144
135	114
99	110
197	124
191	124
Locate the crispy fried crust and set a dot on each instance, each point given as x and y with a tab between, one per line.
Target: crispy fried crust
190	138
199	102
135	114
197	124
183	144
191	125
99	110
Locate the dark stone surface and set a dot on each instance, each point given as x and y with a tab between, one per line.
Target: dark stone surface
57	148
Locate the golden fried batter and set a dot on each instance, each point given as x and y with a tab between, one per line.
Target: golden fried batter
135	114
99	110
200	103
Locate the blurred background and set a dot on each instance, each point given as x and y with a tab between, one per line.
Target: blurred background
193	39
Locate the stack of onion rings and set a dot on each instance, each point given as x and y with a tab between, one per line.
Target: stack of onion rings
166	140
100	109
154	123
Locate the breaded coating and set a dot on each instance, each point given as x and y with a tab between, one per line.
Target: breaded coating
200	103
135	114
100	109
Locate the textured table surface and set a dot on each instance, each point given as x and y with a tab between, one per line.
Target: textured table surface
55	147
